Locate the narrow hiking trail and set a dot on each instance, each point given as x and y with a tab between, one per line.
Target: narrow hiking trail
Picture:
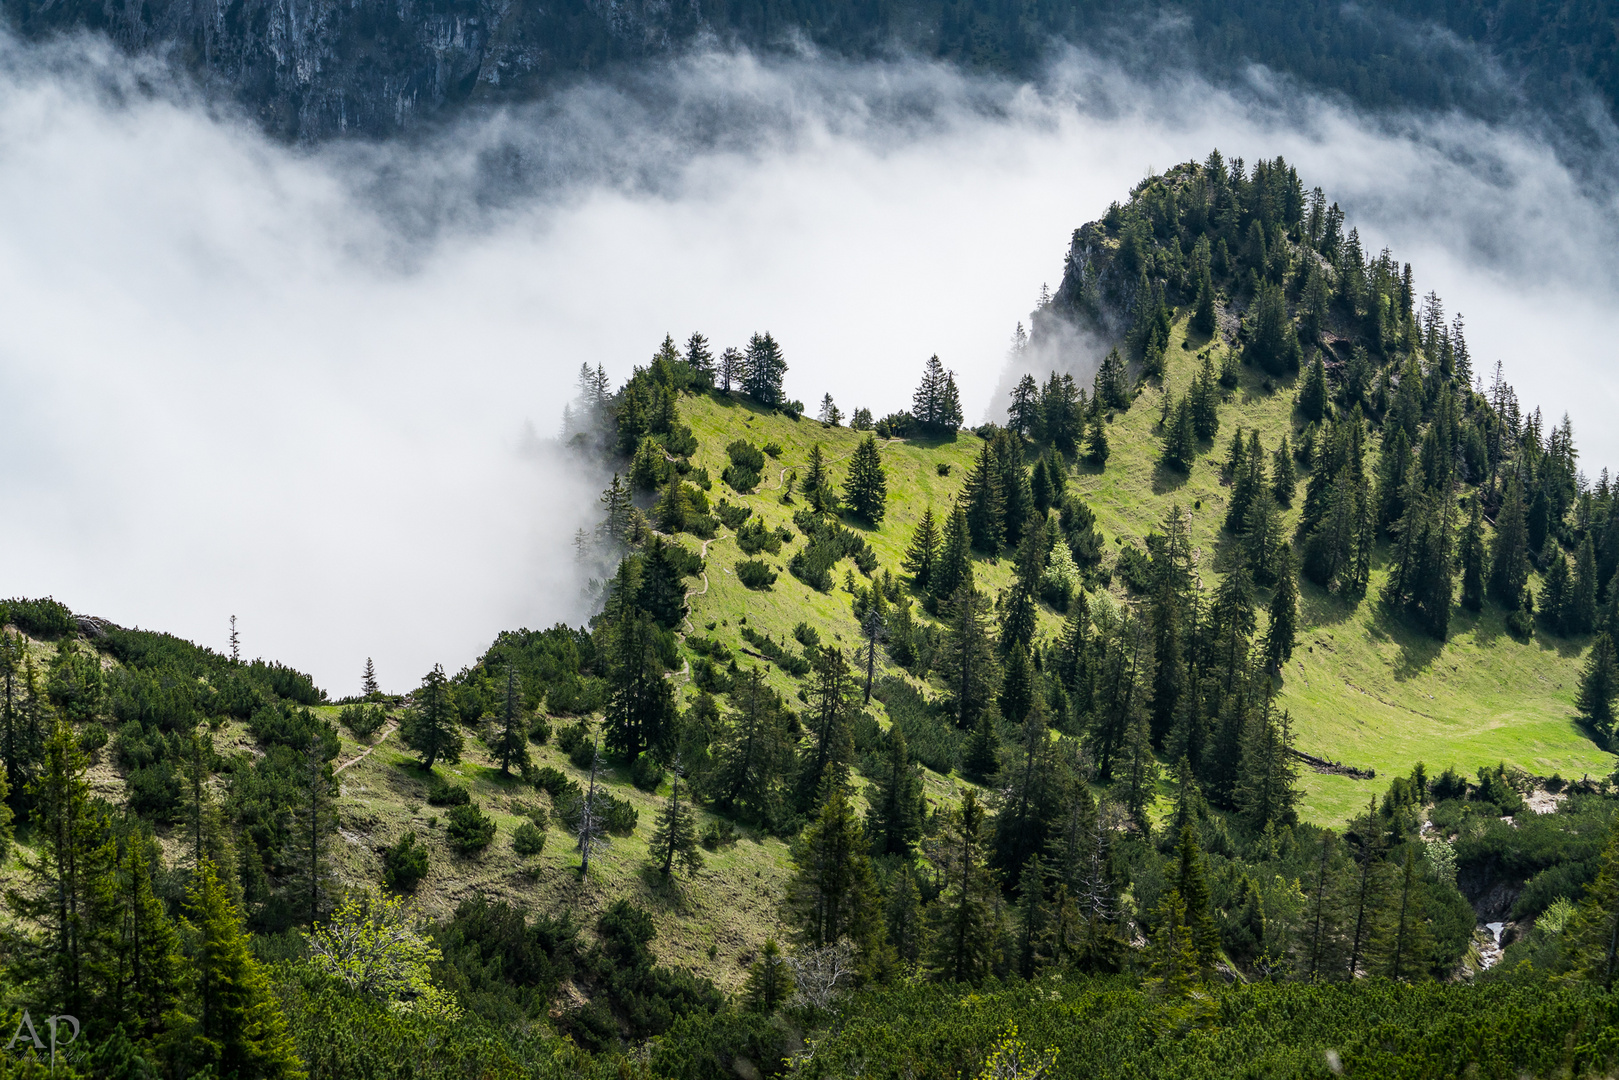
391	727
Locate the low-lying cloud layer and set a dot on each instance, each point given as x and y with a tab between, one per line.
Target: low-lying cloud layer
295	386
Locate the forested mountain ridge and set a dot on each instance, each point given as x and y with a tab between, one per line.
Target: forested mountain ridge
322	69
877	708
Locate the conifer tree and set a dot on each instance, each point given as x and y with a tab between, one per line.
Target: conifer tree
511	740
429	727
730	370
673	507
1040	486
764	367
1282	631
1023	415
1284	477
314	824
824	762
1314	395
1599	686
903	915
699	358
1140	778
151	964
1020	613
817	482
1180	437
1509	559
71	892
833	891
1580	604
830	415
368	681
1017	499
963	934
937	404
640	713
966	658
923	553
894	802
1096	447
954	567
1204	402
1204	320
1470	553
982	759
1111	388
675	836
1407	939
770	980
985	503
1266	791
1033	918
1191	881
866	487
239	1029
23	709
660	592
1017	685
751	759
1273	344
1593	937
1173	967
1263	538
1555	589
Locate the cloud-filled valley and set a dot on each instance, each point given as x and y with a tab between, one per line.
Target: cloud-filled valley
303	386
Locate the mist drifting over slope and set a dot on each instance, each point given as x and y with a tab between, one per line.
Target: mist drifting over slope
312	388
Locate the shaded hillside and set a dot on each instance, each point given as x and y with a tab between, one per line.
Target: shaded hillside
325	70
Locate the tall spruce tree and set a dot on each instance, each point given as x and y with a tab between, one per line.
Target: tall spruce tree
151	965
985	504
238	1029
675	836
1284	477
865	490
764	368
640	714
966	657
1192	882
954	567
1020	612
1282	631
1599	687
314	827
894	802
1471	554
1509	559
829	717
923	554
832	894
1580	604
511	738
962	926
430	726
752	757
70	888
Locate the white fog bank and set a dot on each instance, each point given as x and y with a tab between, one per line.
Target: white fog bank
294	386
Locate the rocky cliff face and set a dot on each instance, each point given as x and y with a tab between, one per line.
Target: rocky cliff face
312	69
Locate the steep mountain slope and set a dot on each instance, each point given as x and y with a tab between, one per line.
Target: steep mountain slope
320	70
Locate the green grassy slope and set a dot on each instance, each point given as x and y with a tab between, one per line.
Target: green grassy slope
1363	688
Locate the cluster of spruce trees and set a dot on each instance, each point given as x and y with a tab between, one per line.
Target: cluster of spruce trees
1406	455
